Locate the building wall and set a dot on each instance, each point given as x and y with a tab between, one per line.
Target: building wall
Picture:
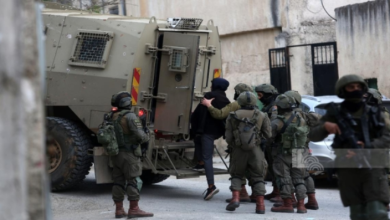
245	57
306	22
363	33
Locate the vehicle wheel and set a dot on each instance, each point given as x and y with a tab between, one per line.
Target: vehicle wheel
149	178
67	151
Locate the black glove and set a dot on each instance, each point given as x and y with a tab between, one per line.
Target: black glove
144	148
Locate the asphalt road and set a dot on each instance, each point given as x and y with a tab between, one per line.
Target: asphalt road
182	199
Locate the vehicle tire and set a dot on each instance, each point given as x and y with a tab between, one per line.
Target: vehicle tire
149	178
67	151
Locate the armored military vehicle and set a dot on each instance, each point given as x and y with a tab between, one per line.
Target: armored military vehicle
166	65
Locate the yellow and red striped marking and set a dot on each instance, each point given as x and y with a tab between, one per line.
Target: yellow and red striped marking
135	87
217	73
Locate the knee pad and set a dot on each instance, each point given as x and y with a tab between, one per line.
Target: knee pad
376	210
357	212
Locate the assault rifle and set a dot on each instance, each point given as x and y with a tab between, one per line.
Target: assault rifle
348	135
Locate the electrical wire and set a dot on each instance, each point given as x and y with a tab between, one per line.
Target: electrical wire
322	3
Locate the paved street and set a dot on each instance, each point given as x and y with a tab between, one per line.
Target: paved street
182	199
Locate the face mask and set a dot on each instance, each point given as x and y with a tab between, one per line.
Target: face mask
266	99
235	96
354	95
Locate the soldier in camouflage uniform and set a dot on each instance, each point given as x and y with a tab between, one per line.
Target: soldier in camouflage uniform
374	98
127	165
289	134
251	159
267	94
361	158
312	119
223	114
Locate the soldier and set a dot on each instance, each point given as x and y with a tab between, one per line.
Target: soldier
244	130
289	134
312	119
363	181
374	98
127	165
267	94
223	114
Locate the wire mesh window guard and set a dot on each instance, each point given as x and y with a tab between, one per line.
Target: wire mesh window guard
91	49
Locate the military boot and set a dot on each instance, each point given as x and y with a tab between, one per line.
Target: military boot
136	212
244	197
301	206
260	207
275	192
119	210
286	207
294	202
235	202
311	201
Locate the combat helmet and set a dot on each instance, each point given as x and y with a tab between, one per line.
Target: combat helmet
295	95
285	102
347	79
266	88
373	96
240	88
121	100
247	99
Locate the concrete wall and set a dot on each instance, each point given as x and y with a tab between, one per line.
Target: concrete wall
245	57
363	33
306	22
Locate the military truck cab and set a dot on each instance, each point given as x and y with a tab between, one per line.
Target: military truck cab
166	65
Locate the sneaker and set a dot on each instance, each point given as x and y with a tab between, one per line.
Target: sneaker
210	192
198	167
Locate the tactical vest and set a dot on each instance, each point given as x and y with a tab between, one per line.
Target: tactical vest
366	127
293	134
245	130
122	139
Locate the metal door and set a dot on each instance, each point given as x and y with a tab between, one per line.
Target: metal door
280	76
176	82
325	69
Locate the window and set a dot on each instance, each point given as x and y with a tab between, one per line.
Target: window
91	49
178	60
372	83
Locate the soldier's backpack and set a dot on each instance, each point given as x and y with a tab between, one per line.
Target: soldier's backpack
107	137
293	135
245	131
110	133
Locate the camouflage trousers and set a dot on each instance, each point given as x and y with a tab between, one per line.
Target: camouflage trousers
289	177
270	154
126	168
251	164
309	182
359	186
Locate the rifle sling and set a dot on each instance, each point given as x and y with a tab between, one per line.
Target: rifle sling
287	123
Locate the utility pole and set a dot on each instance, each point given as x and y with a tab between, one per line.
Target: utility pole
23	185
